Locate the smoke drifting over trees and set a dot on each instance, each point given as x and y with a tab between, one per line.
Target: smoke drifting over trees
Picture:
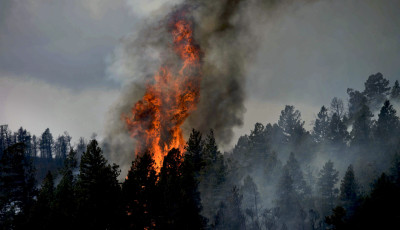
341	173
227	33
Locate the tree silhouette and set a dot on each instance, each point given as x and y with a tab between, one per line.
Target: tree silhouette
376	90
17	187
41	213
387	125
327	180
98	191
349	191
291	124
395	93
321	126
140	194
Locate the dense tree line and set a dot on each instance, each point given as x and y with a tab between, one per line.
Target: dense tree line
325	178
343	174
47	153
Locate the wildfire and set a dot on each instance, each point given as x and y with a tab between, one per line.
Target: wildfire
169	98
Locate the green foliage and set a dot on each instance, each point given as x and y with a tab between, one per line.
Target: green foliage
287	198
46	145
230	215
196	184
361	132
291	124
65	197
17	187
140	194
336	220
195	147
299	184
379	210
321	130
328	177
387	125
98	190
251	201
212	176
376	90
41	215
180	200
349	191
337	131
395	169
395	93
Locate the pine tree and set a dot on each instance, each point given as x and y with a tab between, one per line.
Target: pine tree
62	146
362	126
3	138
258	139
41	213
336	220
230	215
337	131
356	102
349	190
98	191
291	124
287	198
22	136
395	169
387	124
326	183
299	184
212	176
379	210
191	205
65	198
376	90
35	146
194	147
395	93
170	192
320	130
17	186
251	202
180	203
46	145
139	193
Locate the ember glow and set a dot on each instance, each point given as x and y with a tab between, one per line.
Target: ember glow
170	97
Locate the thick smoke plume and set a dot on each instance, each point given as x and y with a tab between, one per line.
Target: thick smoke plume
227	32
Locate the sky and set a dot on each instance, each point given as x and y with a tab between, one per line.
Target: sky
55	59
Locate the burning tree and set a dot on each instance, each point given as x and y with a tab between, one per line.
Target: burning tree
169	98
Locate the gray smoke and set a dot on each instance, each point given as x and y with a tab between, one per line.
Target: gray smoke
228	33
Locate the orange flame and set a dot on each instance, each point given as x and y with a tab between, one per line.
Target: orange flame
171	97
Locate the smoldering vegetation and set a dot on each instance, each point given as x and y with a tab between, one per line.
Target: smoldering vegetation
342	174
281	176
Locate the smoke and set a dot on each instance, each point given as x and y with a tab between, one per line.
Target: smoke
228	33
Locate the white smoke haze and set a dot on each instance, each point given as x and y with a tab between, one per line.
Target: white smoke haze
228	33
259	55
42	105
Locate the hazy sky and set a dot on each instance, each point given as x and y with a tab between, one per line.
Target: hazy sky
53	59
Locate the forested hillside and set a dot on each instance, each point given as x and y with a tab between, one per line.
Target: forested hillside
344	173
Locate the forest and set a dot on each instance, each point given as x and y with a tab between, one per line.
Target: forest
344	173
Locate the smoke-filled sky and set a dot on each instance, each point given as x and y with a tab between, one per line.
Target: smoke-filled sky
55	68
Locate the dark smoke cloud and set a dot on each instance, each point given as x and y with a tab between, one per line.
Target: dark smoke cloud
228	34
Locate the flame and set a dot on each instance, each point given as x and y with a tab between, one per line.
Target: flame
169	99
